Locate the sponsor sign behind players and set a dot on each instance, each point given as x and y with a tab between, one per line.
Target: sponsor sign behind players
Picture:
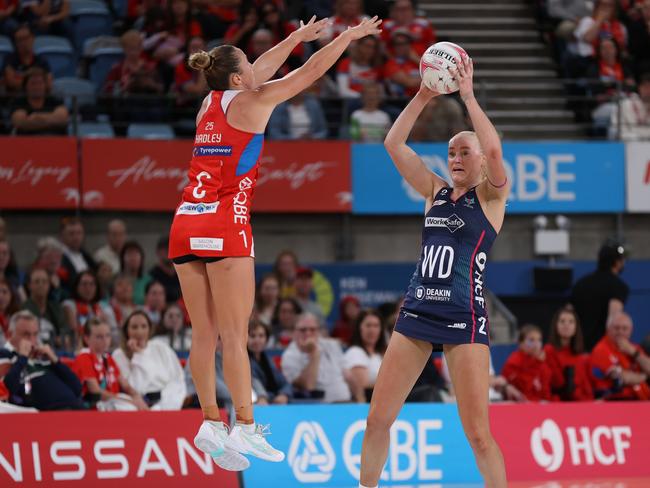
637	169
545	177
39	173
150	175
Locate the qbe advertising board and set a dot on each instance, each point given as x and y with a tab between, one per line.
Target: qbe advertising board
638	176
548	177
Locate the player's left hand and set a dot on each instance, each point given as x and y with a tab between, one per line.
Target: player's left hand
312	30
464	73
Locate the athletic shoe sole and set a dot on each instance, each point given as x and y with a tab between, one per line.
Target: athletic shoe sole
224	457
234	445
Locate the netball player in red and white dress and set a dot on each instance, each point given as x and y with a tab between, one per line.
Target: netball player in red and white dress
211	243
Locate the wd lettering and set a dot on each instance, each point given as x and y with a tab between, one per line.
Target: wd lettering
437	262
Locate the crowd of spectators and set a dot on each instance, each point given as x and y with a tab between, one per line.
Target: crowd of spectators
373	80
604	46
72	340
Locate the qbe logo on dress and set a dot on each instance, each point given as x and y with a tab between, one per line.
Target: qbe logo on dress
311	456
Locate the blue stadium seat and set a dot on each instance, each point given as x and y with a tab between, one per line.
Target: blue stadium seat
91	18
121	7
6	47
213	43
101	63
59	53
150	131
95	130
68	88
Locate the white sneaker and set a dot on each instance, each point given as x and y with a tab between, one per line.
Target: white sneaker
211	439
249	439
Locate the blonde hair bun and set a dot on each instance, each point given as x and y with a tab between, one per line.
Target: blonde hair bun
200	60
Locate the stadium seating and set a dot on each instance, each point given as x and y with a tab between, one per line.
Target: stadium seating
95	130
91	18
69	88
59	54
101	62
6	47
150	131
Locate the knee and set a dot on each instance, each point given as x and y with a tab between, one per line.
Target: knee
379	420
479	438
233	340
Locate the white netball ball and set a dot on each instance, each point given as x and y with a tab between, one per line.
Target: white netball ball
437	64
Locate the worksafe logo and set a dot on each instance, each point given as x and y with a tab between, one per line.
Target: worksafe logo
311	456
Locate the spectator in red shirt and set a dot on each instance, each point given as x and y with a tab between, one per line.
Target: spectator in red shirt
8	24
239	33
402	71
526	368
360	67
349	311
620	368
347	13
403	16
189	84
566	358
135	74
168	41
100	376
271	18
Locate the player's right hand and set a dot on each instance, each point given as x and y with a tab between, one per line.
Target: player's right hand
367	27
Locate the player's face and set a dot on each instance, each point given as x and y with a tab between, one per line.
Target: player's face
464	160
566	325
99	340
246	74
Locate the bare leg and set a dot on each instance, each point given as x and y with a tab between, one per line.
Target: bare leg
232	283
469	370
402	364
198	300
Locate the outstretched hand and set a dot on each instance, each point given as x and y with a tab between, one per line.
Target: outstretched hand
367	27
312	30
464	73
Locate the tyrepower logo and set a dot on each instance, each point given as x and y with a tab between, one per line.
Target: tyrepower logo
553	447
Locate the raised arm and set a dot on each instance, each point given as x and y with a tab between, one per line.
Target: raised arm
256	105
407	162
270	62
278	91
497	187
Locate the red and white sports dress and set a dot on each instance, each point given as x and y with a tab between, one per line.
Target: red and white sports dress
213	218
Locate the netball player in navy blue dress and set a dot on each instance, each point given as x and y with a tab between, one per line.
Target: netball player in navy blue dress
444	306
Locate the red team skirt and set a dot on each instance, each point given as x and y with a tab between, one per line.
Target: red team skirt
211	231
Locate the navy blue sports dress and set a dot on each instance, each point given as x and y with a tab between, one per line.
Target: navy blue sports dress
444	303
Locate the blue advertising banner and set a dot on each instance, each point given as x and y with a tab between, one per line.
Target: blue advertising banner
551	177
323	447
